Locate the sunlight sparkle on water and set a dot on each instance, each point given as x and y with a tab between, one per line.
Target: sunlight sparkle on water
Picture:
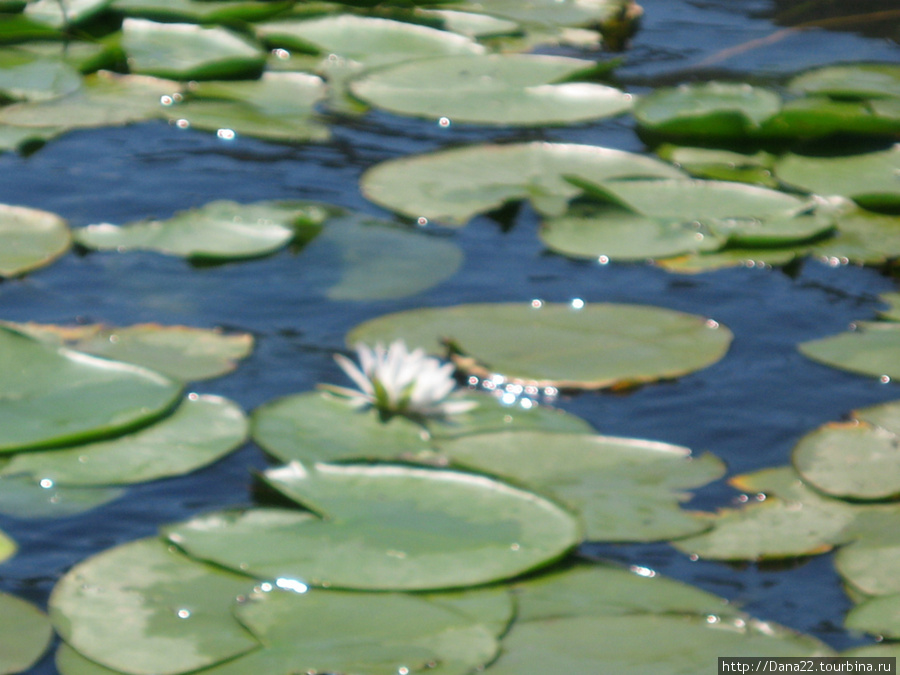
46	483
577	303
291	585
643	571
444	121
226	134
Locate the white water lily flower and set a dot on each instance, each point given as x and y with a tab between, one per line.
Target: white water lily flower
398	381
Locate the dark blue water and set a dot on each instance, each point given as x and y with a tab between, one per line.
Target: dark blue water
749	409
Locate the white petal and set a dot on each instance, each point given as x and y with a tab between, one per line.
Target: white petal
359	378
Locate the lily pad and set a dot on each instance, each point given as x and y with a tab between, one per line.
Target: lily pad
199	11
202	430
364	41
508	89
872	348
319	427
26	497
869	179
713	109
221	230
27	77
630	645
106	99
143	608
625	489
25	634
861	237
334	632
278	106
880	616
29	239
858	80
605	590
183	51
386	527
722	164
62	15
854	460
787	521
471	24
53	396
377	260
545	13
821	116
584	346
452	186
180	352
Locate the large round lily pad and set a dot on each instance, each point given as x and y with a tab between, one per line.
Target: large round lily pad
200	431
184	51
30	77
590	346
24	634
29	239
51	396
625	489
452	186
145	609
386	527
509	89
880	616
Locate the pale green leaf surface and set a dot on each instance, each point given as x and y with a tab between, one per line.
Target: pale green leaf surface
25	634
202	430
29	239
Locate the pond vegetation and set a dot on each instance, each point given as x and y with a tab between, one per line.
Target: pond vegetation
440	517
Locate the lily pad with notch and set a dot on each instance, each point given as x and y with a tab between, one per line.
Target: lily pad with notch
385	527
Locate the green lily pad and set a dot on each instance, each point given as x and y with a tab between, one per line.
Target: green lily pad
220	230
870	566
585	346
625	489
632	645
84	57
7	546
21	138
319	427
713	109
16	28
53	396
821	116
854	460
788	521
869	179
30	239
184	51
180	352
730	257
880	616
386	527
545	13
202	430
453	186
143	608
613	233
508	89
377	260
62	15
859	80
27	77
471	24
364	41
333	631
278	106
199	11
872	348
861	237
106	99
25	497
604	590
25	634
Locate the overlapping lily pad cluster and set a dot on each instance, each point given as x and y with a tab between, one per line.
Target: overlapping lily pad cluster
440	509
